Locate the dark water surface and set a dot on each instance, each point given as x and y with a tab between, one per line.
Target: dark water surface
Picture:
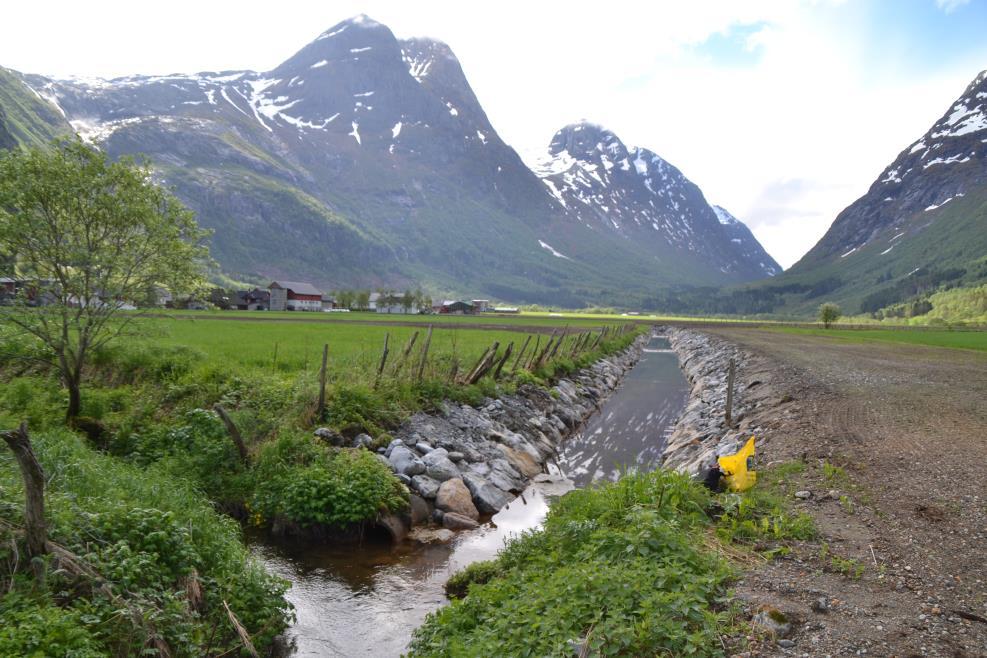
366	600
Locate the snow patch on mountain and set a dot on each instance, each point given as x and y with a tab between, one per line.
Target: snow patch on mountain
552	250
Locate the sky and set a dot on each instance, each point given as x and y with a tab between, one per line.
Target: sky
783	112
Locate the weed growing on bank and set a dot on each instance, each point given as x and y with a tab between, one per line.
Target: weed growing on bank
634	567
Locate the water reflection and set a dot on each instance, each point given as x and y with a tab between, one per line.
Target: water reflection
631	428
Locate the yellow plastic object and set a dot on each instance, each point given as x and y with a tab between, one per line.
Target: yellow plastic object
739	468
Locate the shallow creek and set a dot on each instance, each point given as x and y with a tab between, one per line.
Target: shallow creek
366	600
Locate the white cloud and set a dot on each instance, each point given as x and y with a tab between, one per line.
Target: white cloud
950	6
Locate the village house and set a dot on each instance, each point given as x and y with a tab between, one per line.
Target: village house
252	300
294	296
393	303
372	301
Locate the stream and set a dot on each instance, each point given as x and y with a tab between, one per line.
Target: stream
366	600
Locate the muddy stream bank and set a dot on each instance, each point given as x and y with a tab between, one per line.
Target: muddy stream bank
367	600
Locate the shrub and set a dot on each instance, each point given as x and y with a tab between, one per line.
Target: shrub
829	313
301	481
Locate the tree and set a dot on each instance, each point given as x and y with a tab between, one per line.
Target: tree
407	300
88	236
362	300
829	313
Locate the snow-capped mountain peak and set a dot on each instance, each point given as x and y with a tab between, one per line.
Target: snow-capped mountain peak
633	192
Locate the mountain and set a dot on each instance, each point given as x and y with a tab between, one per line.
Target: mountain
365	160
634	194
921	225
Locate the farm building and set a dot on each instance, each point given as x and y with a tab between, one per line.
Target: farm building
454	307
481	305
294	296
328	302
252	300
372	301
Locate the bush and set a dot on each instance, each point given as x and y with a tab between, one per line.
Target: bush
143	530
299	480
829	313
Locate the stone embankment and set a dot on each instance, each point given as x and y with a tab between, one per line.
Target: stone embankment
465	462
701	433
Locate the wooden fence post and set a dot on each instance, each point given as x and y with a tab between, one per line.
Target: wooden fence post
322	382
421	365
405	353
729	410
521	354
35	531
503	360
234	433
274	365
383	360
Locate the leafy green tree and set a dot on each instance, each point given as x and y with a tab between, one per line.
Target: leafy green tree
89	236
362	299
829	313
407	300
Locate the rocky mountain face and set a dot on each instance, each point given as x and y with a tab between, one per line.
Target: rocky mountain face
636	195
925	214
365	160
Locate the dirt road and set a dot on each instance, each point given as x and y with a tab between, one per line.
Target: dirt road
907	427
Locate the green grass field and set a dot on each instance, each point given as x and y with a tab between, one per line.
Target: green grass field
966	340
354	349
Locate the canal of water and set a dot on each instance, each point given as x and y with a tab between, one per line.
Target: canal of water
367	600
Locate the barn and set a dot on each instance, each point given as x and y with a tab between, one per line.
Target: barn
295	296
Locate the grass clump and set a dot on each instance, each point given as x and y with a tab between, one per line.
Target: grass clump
620	567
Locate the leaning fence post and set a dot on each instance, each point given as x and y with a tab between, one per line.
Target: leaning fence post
322	381
428	341
383	360
729	409
35	531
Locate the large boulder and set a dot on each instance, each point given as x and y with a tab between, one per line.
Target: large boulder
425	486
405	462
418	510
522	461
439	466
454	497
487	497
454	521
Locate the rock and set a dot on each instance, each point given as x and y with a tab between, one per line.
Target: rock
330	436
418	510
455	498
453	521
423	448
429	535
425	486
488	498
521	461
803	495
456	456
821	604
383	459
786	644
404	479
439	466
773	620
392	445
363	441
437	515
403	460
